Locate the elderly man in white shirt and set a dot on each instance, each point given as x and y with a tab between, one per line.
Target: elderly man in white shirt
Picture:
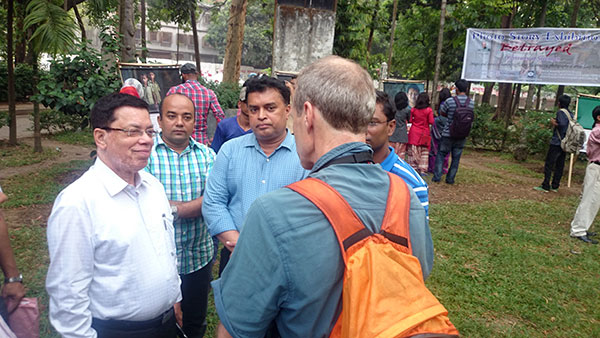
113	269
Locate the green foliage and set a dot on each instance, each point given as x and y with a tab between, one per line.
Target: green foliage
258	32
74	84
55	120
227	93
530	129
4	119
54	28
23	83
491	133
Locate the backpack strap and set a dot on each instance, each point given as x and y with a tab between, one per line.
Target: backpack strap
395	226
344	221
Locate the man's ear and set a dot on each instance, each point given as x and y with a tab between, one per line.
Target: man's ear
309	115
391	127
100	136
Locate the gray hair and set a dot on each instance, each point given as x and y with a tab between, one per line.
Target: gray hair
132	82
342	91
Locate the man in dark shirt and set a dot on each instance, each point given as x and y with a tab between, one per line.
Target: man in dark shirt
555	159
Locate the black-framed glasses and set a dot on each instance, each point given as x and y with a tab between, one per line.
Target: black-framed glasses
375	123
134	132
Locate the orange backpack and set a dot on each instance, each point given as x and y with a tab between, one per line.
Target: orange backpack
384	294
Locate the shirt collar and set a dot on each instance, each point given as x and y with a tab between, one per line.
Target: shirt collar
111	181
287	143
159	142
339	151
389	161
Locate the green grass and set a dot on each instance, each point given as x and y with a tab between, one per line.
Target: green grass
509	268
80	137
40	187
22	154
502	269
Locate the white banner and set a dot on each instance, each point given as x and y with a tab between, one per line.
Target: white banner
564	56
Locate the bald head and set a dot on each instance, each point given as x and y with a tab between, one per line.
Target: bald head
342	91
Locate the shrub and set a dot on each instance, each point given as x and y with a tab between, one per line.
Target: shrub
23	83
4	119
73	85
55	120
227	93
489	133
535	131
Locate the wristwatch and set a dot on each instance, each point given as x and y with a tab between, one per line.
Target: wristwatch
174	212
18	279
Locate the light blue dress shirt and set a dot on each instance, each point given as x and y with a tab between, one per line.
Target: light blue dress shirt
241	173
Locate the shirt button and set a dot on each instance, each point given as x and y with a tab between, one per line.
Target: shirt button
267	160
263	181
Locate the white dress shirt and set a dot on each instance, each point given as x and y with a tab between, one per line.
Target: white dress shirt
112	253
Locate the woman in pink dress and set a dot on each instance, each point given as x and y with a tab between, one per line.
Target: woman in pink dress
419	136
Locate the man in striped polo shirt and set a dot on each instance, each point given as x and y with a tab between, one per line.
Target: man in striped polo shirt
182	165
379	130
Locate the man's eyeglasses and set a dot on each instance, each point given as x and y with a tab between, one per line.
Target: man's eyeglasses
134	132
375	123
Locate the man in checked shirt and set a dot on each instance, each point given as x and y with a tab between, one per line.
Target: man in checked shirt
182	166
203	98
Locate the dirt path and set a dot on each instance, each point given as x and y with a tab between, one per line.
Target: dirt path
68	152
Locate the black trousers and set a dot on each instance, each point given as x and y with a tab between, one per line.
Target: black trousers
225	253
555	164
127	329
194	290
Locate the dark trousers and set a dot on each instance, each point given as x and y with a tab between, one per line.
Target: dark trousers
194	290
448	146
129	329
555	163
225	253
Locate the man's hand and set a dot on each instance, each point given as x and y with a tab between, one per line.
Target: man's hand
553	122
178	313
12	294
229	239
222	331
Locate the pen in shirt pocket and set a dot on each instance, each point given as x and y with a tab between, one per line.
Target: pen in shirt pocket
164	217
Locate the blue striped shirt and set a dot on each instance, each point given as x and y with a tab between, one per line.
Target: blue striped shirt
184	178
395	165
242	173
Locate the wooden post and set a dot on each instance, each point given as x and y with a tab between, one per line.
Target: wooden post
572	155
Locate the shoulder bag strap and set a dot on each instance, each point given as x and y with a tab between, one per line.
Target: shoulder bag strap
395	226
344	221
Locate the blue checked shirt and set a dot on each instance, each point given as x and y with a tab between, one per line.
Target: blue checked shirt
184	178
395	165
242	173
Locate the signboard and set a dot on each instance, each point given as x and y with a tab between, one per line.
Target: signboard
156	80
410	87
563	56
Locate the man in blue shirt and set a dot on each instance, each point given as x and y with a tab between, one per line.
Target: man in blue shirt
234	126
287	269
251	165
182	165
555	158
380	128
450	145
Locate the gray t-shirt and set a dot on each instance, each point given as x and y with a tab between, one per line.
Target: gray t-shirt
400	135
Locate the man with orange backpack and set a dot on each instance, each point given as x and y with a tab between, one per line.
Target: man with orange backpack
293	258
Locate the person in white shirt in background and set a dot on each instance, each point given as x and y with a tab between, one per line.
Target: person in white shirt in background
113	265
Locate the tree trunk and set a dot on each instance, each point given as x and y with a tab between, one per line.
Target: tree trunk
372	29
12	112
541	22
516	100
127	31
487	93
392	36
438	56
196	42
538	101
561	88
80	23
235	39
20	51
504	89
144	55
